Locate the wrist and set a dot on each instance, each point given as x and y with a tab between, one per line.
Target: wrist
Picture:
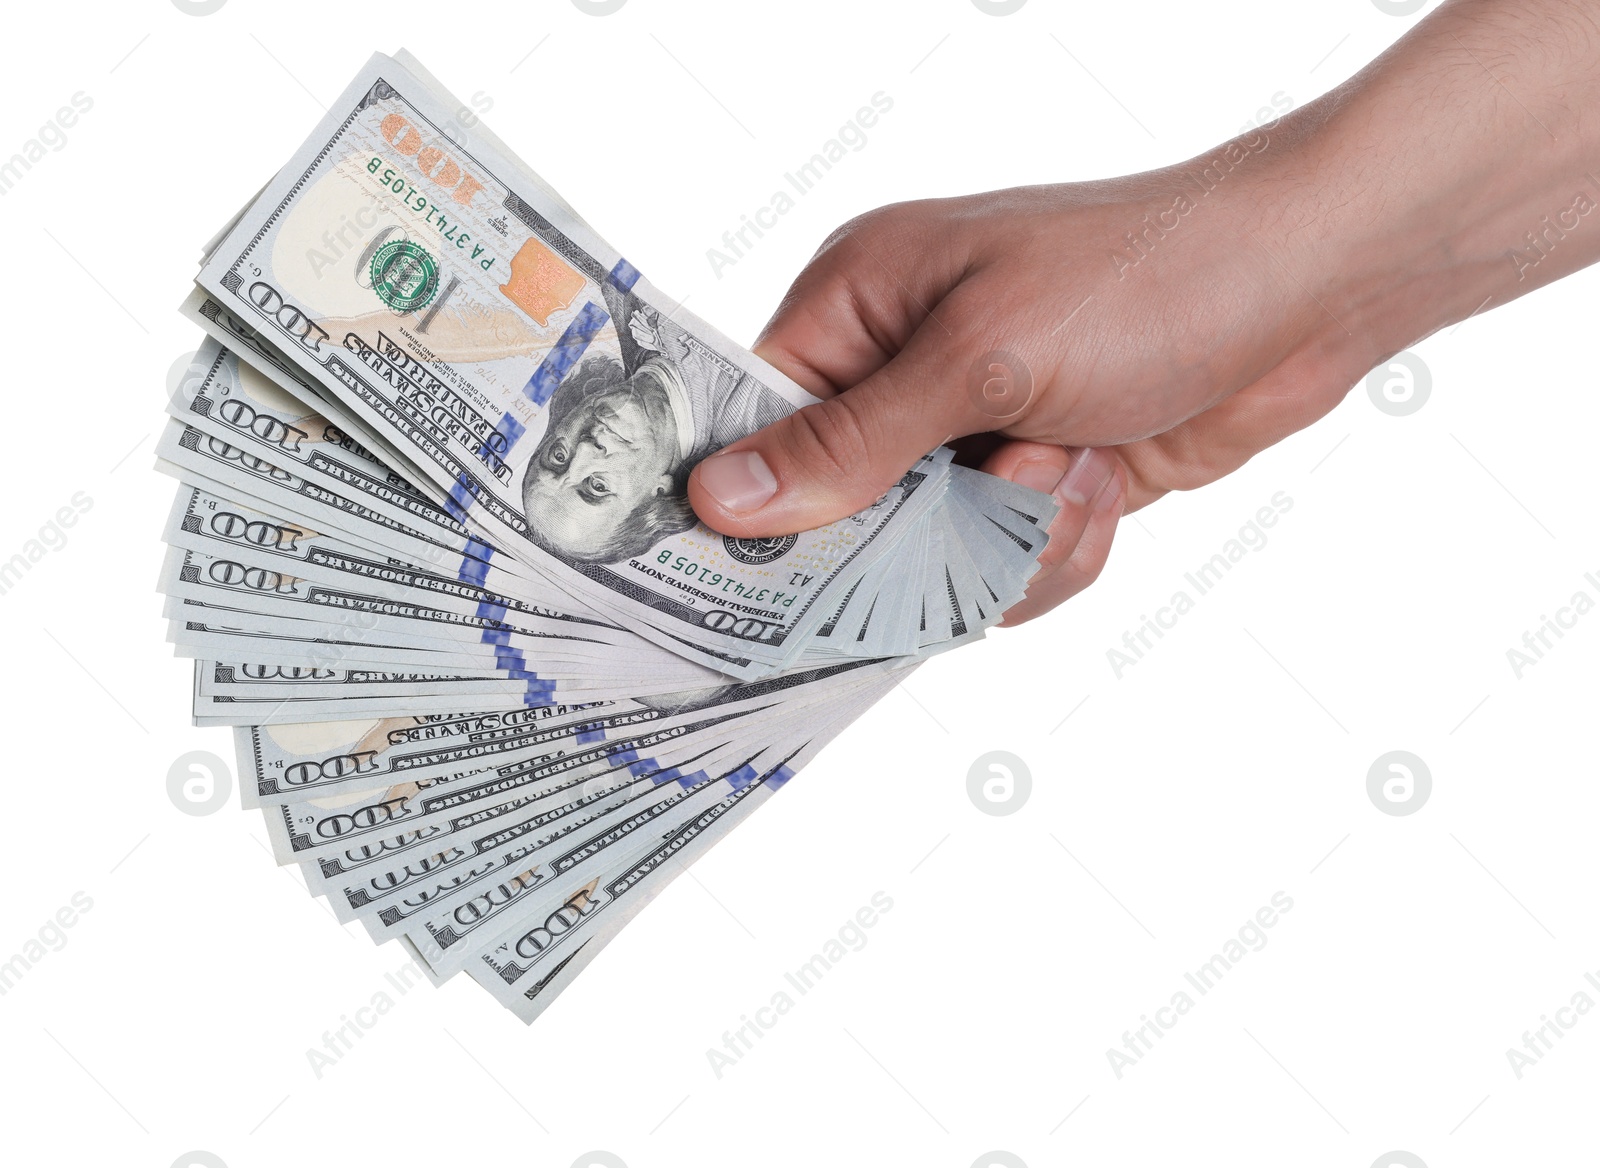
1400	220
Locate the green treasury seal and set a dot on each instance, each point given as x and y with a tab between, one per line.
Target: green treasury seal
404	276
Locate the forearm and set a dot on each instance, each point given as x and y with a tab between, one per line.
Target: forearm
1183	319
1457	172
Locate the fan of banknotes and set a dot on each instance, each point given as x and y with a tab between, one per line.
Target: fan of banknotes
492	684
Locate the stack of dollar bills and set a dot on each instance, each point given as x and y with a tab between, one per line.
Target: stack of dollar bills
493	684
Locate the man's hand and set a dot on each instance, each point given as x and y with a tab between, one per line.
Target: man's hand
1138	335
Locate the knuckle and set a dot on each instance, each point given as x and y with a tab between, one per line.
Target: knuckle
1177	461
1087	560
884	225
866	223
1077	574
1186	475
1062	546
830	439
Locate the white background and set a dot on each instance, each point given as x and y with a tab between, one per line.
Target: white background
1231	763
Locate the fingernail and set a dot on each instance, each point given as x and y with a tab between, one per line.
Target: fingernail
1037	476
1111	496
1091	471
740	480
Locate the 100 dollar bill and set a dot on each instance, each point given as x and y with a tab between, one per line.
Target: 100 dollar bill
457	310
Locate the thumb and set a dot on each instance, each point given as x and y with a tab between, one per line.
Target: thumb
837	456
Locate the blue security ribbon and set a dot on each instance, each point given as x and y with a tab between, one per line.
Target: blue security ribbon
461	496
623	276
508	430
560	359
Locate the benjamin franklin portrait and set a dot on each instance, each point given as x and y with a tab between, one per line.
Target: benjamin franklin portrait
609	477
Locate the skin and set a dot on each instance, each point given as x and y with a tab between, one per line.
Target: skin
1389	208
594	467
